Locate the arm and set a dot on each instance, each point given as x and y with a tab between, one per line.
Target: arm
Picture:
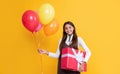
54	55
88	53
51	54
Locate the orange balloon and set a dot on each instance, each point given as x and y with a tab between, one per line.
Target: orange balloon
51	28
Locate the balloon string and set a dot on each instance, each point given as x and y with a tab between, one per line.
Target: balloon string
37	45
35	39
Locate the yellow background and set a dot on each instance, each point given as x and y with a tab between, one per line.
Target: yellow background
96	21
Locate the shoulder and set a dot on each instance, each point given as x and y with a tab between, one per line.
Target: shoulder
79	38
60	40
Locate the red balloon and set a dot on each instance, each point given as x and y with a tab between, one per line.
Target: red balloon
30	20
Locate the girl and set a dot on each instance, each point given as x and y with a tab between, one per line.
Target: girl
69	39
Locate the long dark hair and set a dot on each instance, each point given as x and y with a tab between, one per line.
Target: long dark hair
74	40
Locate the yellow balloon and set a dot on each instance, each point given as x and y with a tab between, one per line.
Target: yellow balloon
46	13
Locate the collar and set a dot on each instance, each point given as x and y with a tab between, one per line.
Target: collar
69	39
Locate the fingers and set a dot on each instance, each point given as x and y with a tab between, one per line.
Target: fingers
81	69
41	51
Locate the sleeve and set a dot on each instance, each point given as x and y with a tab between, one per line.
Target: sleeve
84	46
57	54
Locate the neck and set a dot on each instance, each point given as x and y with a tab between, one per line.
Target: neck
69	34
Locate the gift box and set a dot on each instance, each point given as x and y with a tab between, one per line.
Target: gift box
68	59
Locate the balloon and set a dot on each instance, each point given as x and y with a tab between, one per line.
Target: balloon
30	20
51	28
38	27
46	13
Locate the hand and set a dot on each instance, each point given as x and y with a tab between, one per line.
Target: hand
41	51
81	68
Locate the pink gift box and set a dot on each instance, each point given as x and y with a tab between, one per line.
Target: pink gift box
68	60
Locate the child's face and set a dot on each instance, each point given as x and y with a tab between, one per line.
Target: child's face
69	29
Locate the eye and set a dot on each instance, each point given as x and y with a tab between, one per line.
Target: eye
66	28
70	27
